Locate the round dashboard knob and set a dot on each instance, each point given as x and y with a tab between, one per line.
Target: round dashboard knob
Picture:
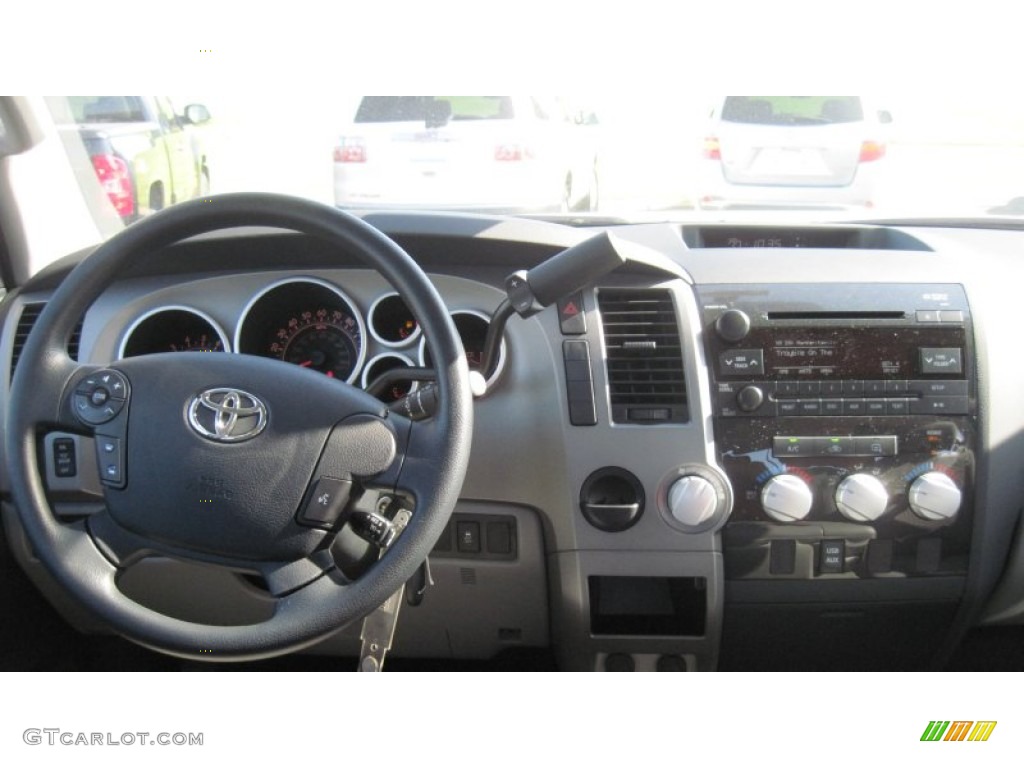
934	496
733	324
692	500
750	398
861	498
786	498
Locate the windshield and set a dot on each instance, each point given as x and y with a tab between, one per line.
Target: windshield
582	160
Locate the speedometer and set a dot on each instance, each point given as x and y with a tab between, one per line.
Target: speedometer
323	340
307	322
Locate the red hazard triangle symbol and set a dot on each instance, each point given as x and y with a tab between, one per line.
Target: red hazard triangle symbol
570	309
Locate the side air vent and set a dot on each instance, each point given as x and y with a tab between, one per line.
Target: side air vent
29	314
645	361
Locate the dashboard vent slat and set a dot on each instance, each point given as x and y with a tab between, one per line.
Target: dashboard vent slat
29	315
644	357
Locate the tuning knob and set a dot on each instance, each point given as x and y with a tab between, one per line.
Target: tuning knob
732	325
934	496
862	498
786	498
692	500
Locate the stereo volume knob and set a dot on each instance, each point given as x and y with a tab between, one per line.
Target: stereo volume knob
692	500
786	498
862	498
934	496
733	324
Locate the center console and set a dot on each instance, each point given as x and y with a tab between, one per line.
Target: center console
845	419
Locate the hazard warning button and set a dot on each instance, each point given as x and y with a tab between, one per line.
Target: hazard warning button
571	315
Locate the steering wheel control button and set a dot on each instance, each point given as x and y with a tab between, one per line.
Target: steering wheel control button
325	503
226	415
65	462
100	397
110	461
833	556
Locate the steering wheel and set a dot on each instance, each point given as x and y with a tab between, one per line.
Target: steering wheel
231	459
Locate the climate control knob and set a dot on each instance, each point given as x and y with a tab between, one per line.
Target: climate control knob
934	496
786	498
692	500
862	498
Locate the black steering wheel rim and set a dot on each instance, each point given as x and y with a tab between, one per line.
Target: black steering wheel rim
435	457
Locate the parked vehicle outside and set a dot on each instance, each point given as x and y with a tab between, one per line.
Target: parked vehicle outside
793	151
145	153
493	153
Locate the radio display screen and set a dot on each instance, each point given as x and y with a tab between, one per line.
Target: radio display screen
844	353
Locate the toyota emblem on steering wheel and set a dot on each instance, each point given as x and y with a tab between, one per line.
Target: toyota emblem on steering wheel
227	415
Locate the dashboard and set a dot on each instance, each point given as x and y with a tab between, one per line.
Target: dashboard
757	447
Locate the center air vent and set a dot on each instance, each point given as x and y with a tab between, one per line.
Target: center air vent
646	382
29	314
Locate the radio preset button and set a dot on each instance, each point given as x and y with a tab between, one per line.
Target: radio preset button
787	388
809	388
896	386
832	388
874	388
853	387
